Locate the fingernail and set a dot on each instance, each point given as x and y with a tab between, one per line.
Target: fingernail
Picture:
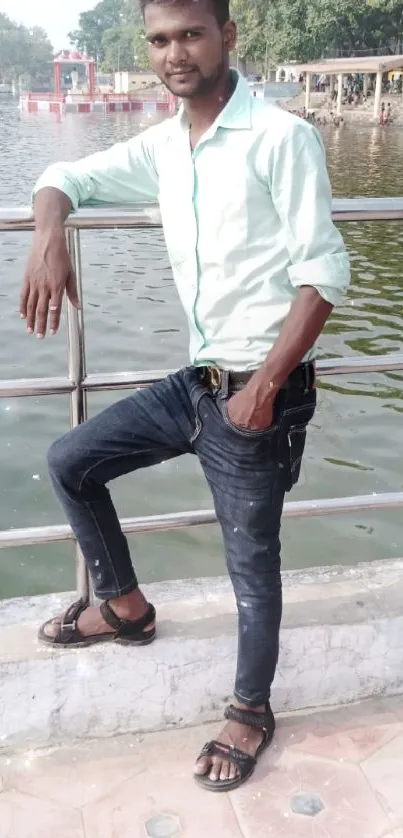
39	336
22	316
53	331
29	330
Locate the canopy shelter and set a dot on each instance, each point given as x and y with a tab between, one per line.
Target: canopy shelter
74	58
339	67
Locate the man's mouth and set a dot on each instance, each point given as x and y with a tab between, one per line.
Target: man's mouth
180	73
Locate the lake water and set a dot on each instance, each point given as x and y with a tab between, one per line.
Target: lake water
133	321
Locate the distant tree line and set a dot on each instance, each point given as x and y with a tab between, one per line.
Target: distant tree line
304	30
113	33
269	31
24	52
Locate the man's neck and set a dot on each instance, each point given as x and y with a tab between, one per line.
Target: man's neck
202	113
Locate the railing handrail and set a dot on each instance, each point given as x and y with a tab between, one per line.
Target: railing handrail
136	379
109	216
77	383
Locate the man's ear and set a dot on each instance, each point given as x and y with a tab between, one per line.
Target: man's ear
230	35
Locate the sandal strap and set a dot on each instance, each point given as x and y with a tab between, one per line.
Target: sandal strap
262	721
244	762
68	630
124	625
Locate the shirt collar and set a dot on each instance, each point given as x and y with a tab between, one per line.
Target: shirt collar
237	112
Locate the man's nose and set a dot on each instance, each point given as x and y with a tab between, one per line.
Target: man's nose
177	54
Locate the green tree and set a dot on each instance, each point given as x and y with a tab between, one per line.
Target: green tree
140	48
117	45
305	30
107	14
125	48
24	51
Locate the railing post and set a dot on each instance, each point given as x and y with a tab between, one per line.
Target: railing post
77	373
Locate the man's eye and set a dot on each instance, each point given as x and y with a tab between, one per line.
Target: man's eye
157	42
191	34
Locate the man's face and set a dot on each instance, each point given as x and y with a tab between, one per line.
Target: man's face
187	47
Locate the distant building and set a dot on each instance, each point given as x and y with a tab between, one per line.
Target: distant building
130	82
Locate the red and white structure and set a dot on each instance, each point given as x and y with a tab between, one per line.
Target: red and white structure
87	99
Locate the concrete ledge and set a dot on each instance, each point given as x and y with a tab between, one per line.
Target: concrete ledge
342	641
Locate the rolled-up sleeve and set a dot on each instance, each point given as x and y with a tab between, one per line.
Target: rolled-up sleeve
302	197
125	173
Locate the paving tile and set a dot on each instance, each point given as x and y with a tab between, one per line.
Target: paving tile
340	800
398	706
309	785
352	734
384	771
74	783
22	816
165	804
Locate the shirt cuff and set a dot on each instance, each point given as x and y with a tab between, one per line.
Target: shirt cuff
329	274
56	179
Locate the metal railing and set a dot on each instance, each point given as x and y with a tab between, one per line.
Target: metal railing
77	383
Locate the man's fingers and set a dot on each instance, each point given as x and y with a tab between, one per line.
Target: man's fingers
24	296
42	314
71	289
31	309
55	310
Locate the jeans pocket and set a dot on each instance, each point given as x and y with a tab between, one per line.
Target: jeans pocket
244	432
198	419
296	439
293	437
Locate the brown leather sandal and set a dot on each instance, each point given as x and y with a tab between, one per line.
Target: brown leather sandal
126	631
244	763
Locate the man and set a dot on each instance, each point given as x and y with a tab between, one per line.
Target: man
258	264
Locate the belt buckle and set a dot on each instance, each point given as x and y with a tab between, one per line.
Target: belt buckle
214	376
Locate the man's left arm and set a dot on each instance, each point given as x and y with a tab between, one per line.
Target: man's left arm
319	268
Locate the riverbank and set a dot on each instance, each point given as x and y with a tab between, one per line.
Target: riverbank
352	115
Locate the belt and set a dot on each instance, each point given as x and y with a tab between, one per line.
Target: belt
302	378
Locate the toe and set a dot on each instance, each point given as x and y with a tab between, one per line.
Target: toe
225	770
215	770
51	629
233	772
202	766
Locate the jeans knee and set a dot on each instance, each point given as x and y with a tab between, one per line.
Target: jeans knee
61	460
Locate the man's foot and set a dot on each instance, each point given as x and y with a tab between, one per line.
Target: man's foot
131	606
234	735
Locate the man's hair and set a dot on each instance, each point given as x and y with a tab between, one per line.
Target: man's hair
220	8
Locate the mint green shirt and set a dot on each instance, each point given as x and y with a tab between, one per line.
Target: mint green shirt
246	217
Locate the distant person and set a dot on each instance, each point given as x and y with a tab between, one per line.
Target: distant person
389	112
259	265
382	116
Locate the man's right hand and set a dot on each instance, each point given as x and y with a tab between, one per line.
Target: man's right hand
49	273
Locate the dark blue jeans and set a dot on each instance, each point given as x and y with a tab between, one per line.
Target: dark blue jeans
248	473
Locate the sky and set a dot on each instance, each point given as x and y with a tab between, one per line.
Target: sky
57	18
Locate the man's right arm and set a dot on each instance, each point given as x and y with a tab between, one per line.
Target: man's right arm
126	173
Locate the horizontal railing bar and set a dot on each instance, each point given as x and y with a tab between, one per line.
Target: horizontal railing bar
97	382
360	364
111	216
101	381
35	387
181	520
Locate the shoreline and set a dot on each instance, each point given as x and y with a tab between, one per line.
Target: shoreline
361	115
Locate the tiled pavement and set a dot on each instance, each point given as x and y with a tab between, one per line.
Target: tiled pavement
329	774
